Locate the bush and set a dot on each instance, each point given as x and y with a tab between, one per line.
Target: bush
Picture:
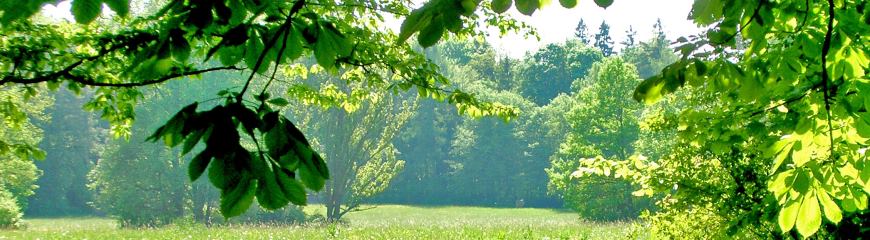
10	212
140	185
597	198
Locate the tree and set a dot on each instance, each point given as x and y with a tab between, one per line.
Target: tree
652	55
789	107
629	38
603	41
357	142
545	74
604	123
363	157
159	171
69	147
582	33
19	137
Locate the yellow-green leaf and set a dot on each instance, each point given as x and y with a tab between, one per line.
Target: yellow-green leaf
788	214
801	153
810	217
832	211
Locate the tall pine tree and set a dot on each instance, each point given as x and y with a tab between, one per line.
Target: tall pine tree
603	41
582	33
630	40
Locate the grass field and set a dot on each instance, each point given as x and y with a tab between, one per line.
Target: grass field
382	222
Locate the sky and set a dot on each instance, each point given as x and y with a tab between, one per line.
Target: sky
555	23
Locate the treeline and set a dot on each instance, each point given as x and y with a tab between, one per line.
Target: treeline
563	91
396	149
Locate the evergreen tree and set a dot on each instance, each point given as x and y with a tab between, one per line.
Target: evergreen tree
582	33
658	30
630	40
603	41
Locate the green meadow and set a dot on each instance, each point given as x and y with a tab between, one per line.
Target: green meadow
378	222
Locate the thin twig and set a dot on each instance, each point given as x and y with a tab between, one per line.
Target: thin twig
296	7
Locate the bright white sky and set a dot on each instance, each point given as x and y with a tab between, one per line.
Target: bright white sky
556	24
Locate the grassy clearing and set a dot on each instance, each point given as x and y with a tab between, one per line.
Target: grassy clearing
381	222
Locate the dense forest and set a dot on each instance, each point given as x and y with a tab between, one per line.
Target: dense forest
160	113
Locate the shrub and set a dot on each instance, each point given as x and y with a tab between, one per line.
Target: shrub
10	212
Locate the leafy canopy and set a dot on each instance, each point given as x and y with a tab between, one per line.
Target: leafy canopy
790	78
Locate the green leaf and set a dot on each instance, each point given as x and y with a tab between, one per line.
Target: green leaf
779	185
810	217
320	166
279	102
788	215
568	3
501	6
468	7
649	90
277	142
431	34
293	190
604	3
38	154
222	175
415	21
238	199
342	44
239	11
292	44
198	164
23	9
289	161
453	23
324	52
862	123
252	53
191	141
750	89
269	193
832	211
86	11
179	46
527	7
779	151
801	153
311	178
294	132
231	55
801	182
121	7
706	12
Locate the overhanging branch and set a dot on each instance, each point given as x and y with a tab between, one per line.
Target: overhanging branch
67	74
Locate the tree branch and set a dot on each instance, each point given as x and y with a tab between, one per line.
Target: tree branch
826	47
67	73
269	44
